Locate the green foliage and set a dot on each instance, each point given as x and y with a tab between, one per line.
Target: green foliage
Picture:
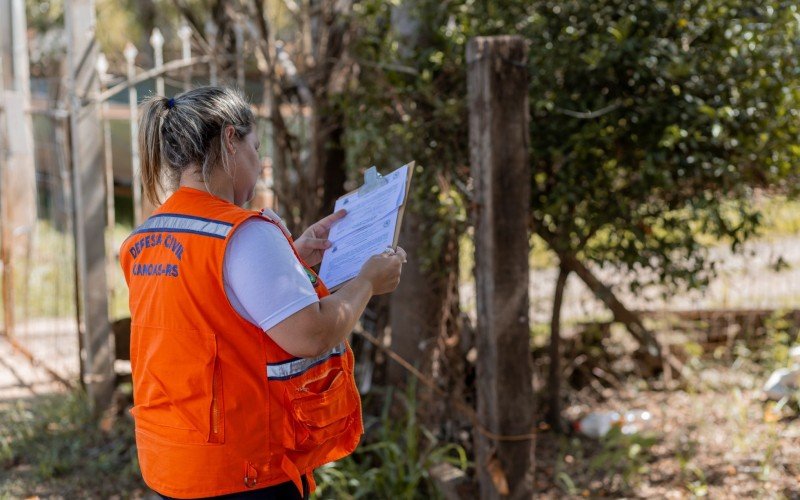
618	461
55	439
394	458
44	278
780	335
409	103
623	454
117	24
44	15
647	115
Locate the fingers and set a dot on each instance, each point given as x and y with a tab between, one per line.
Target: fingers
328	221
384	270
399	253
317	243
402	254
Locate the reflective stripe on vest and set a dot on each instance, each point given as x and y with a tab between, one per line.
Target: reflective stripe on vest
185	224
294	367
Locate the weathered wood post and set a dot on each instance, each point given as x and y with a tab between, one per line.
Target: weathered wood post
498	132
97	343
108	164
7	281
17	170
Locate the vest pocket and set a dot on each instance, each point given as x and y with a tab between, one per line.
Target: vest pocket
177	384
323	409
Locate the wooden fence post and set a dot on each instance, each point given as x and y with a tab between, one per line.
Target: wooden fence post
17	170
97	346
498	132
7	281
108	164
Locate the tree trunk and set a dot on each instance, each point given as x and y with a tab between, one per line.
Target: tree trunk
416	305
554	382
334	170
327	173
146	17
650	355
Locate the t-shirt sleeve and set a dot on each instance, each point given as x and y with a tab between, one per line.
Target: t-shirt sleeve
264	281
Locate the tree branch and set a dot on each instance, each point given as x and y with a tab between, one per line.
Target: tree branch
589	115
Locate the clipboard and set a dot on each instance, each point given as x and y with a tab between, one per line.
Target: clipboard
374	180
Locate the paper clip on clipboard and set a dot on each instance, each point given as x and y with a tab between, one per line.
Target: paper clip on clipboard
372	181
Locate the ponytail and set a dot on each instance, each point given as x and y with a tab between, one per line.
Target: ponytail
187	131
150	146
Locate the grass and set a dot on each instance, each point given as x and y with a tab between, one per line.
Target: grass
615	463
712	435
44	277
52	446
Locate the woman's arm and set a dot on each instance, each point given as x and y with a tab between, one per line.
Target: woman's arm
319	327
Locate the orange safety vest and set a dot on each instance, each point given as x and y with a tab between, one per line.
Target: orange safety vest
219	407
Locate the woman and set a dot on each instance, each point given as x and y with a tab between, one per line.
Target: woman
243	379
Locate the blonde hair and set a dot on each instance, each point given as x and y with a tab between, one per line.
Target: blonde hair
188	130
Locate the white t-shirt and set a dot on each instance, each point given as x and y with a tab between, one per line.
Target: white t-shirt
263	279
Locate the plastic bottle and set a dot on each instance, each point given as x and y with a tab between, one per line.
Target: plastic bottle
597	424
784	382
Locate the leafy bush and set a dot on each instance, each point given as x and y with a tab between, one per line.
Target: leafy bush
394	459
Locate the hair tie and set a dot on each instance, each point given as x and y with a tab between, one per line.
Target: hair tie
171	103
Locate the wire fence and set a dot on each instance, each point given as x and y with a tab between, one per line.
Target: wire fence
42	274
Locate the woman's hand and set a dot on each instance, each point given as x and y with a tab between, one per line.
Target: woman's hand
314	240
383	270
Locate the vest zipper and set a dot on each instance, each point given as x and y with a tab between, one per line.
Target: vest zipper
214	417
216	410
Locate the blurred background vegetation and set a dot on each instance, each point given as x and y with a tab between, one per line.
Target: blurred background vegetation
664	157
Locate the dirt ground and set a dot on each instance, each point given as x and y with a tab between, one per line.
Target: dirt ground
712	434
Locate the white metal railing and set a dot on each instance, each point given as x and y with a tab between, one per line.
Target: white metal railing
185	64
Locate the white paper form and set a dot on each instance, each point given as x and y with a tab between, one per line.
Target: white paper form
364	210
366	230
343	261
